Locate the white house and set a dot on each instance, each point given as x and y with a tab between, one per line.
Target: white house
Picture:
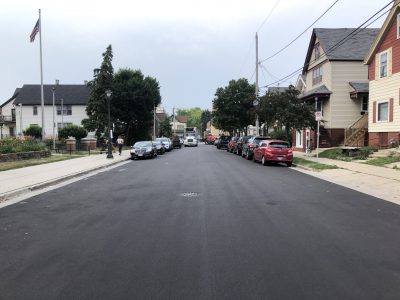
24	108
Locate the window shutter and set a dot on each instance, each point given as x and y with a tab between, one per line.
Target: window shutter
374	112
377	66
389	61
391	103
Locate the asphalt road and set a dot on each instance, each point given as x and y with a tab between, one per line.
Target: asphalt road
200	223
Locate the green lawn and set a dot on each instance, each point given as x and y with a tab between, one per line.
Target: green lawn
4	166
381	161
311	164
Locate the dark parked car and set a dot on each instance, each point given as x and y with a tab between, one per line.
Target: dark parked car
223	142
273	151
249	146
144	149
240	142
159	147
176	142
232	144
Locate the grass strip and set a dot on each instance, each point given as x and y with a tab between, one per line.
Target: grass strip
312	164
4	166
381	161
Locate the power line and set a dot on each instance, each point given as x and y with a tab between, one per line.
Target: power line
341	42
297	37
269	15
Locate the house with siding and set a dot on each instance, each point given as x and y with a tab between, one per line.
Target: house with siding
383	61
24	108
335	80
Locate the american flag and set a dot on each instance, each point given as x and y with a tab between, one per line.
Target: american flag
34	31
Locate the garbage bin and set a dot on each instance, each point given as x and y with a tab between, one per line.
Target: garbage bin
70	144
85	144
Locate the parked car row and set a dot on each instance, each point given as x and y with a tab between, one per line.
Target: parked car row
150	149
258	148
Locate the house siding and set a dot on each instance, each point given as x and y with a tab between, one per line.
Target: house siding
345	110
385	89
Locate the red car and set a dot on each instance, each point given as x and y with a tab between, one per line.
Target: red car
273	151
232	144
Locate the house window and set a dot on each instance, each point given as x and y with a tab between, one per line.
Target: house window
67	110
299	138
317	75
383	111
317	51
62	125
35	110
364	103
383	64
398	26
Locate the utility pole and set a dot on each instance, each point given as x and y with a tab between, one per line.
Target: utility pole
173	112
154	123
256	101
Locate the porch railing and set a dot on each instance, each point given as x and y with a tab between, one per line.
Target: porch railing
354	135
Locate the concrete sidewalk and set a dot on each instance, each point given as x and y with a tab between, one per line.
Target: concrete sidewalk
379	182
19	181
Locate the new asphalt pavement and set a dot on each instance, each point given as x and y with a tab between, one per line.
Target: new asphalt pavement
200	223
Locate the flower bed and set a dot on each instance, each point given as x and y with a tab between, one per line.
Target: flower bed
24	144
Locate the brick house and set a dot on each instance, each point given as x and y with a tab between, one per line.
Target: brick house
383	60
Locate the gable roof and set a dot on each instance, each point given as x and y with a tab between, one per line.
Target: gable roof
72	94
12	98
182	119
382	33
354	48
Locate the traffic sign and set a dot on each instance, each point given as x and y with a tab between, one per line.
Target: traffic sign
318	115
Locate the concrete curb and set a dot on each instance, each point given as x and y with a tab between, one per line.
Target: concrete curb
18	192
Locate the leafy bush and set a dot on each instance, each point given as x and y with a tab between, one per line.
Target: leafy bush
280	135
14	145
34	131
348	154
76	131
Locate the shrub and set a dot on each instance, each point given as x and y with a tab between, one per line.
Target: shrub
14	145
76	131
280	135
34	131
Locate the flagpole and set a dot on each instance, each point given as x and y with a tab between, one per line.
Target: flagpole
41	75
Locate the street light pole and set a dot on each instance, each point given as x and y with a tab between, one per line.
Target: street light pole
109	152
54	124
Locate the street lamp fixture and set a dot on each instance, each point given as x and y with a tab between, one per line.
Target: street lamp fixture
109	152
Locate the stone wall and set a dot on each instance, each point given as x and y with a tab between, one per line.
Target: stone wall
24	155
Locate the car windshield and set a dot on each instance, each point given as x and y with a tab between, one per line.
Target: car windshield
280	145
142	144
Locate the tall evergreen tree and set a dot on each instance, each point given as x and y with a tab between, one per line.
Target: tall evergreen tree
97	109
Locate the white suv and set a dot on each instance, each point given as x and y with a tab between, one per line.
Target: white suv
166	142
190	141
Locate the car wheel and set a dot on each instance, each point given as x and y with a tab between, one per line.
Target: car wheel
289	164
263	161
248	157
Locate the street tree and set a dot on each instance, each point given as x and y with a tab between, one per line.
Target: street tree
206	117
166	127
134	99
96	108
234	106
193	114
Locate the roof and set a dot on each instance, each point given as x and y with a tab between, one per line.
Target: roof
72	94
360	87
321	91
352	49
12	98
182	119
278	89
379	38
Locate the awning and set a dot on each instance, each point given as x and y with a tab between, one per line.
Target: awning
321	92
359	89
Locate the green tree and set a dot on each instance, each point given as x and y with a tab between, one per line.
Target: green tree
206	117
133	102
78	132
97	109
166	127
193	114
234	106
34	130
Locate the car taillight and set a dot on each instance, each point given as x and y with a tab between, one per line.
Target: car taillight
251	146
268	150
290	150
